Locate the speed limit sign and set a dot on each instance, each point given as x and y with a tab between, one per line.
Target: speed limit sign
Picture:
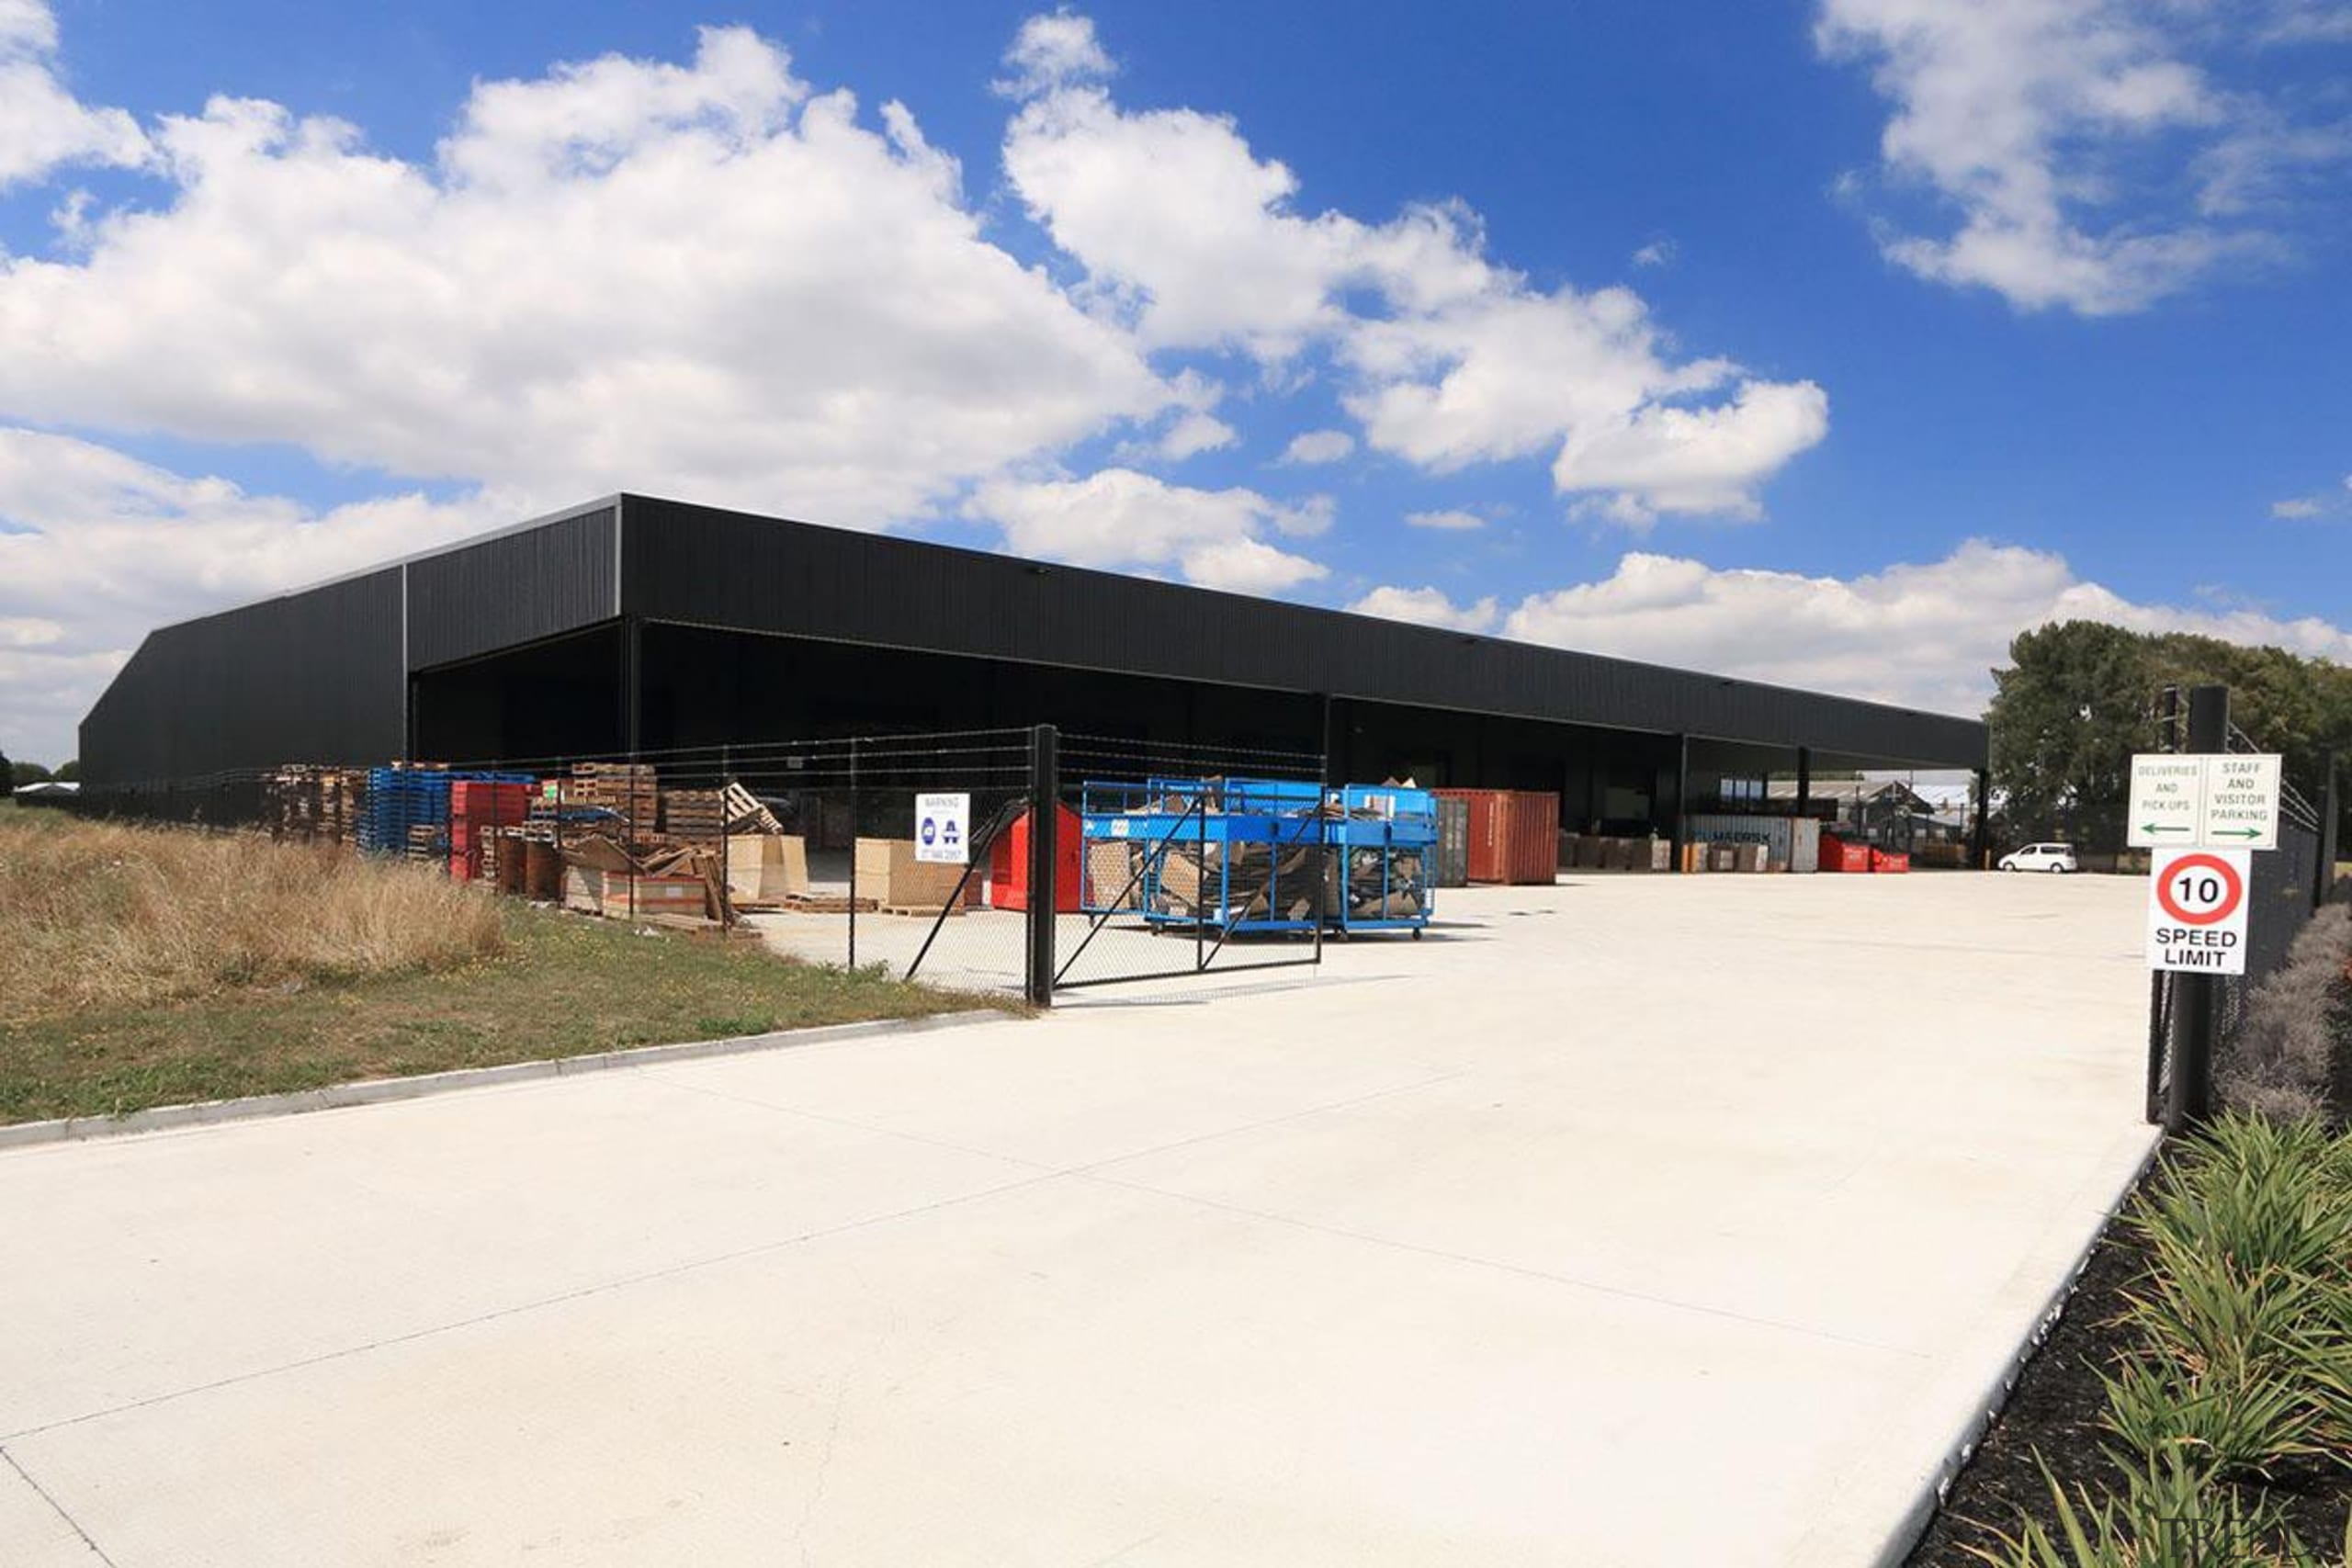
2197	910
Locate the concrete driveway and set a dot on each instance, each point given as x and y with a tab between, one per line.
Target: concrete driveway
1633	1221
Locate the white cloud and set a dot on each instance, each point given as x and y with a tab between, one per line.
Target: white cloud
97	547
42	125
1428	607
1052	52
623	274
1118	518
1449	519
1194	433
2025	115
1924	636
1658	252
1450	358
2297	508
1318	446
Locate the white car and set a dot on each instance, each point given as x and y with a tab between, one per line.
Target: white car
2040	857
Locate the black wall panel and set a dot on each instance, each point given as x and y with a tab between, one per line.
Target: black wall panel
321	675
313	677
511	589
701	566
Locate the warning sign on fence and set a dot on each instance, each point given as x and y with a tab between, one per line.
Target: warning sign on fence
2197	910
942	829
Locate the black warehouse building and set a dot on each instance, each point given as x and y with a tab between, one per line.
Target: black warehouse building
636	626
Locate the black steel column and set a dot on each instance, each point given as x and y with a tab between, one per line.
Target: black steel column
1980	842
1805	781
2191	1100
1332	741
1681	793
632	685
1044	895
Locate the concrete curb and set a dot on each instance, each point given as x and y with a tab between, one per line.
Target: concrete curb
1907	1532
380	1091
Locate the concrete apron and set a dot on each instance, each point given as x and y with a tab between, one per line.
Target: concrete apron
1633	1221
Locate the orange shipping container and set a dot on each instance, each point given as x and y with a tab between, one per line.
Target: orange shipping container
1514	834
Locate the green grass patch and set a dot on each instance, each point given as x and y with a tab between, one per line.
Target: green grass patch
563	987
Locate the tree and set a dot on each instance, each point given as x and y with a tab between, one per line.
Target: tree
2067	715
2079	698
7	769
69	772
22	773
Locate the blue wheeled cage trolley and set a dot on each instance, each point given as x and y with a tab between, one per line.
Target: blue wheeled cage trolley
1384	842
1259	855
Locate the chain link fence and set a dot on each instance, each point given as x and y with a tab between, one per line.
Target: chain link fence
918	854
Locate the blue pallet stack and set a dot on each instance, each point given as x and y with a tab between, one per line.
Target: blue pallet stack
400	800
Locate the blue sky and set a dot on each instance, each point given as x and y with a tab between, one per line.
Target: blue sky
1830	343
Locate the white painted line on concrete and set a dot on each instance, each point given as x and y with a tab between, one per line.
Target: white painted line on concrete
378	1091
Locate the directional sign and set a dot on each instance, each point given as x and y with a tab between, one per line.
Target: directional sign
2168	800
2197	910
2241	802
2227	802
942	829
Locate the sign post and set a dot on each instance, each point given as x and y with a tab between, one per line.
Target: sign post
2191	1098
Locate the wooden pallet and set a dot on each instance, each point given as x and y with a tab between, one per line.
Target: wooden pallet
824	904
746	815
927	911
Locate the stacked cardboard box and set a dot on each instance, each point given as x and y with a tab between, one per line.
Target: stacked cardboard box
764	868
888	873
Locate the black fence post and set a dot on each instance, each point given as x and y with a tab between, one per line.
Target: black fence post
1044	894
853	848
2191	1100
2331	814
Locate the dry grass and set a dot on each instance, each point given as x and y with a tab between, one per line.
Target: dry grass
2282	1061
97	915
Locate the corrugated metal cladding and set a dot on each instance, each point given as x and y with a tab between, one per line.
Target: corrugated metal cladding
511	589
706	566
312	677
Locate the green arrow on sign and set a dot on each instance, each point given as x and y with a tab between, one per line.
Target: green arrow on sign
2237	832
2162	828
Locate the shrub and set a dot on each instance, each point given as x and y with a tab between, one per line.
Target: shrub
2280	1061
2168	1516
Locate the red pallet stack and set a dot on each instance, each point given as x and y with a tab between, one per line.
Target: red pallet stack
475	805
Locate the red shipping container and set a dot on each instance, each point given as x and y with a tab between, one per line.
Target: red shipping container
1837	854
1008	863
1514	835
1889	861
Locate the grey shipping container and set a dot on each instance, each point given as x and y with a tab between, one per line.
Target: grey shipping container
1453	841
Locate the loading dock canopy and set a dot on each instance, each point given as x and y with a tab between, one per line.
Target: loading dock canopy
637	621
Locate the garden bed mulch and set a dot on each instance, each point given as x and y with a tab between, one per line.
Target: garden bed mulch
2052	1418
